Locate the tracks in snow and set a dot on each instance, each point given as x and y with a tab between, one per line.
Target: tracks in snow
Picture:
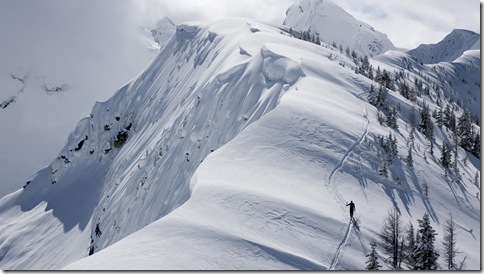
332	188
343	160
335	259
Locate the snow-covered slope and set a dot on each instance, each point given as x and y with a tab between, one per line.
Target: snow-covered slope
41	101
274	197
333	24
170	119
237	148
463	79
449	49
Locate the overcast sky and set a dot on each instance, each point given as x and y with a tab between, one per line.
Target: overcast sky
407	23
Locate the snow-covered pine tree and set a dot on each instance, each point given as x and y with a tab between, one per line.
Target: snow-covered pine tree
449	242
379	98
389	144
384	169
476	145
449	118
465	131
424	253
392	118
404	90
390	236
409	158
426	126
372	263
410	245
445	159
439	117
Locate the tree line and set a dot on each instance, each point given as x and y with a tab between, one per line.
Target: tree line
414	249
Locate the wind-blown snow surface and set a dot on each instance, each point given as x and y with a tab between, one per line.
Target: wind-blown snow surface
333	24
450	48
293	140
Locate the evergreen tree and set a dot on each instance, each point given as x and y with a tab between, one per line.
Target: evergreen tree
372	263
425	189
389	144
409	246
424	254
409	158
439	117
378	99
476	145
450	250
445	159
449	118
392	118
384	169
465	131
426	125
384	78
390	236
404	90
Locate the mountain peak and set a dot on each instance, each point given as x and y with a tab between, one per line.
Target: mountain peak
334	24
155	38
450	48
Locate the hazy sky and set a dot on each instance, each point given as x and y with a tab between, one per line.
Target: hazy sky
406	22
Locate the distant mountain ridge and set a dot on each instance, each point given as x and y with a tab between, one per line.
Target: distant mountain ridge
449	49
333	24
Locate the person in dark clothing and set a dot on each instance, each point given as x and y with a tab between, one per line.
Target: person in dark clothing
352	209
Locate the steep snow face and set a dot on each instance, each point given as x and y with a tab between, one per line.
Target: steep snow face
155	38
130	162
274	197
449	49
333	24
41	102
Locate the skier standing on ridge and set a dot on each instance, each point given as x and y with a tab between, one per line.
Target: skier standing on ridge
352	209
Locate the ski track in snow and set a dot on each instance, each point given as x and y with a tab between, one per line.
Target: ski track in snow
334	261
343	160
332	188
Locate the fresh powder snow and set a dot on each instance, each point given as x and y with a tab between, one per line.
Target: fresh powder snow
238	148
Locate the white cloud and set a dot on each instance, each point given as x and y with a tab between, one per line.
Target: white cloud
409	23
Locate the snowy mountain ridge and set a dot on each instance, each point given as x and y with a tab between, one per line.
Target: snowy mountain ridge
335	25
449	49
42	99
239	147
155	38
